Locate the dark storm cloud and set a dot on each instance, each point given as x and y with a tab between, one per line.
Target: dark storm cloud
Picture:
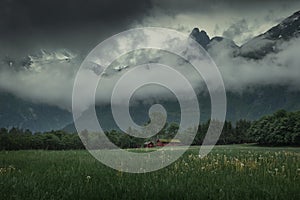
211	5
29	25
17	15
25	15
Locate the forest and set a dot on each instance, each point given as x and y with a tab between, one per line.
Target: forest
279	129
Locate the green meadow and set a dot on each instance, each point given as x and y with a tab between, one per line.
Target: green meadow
228	172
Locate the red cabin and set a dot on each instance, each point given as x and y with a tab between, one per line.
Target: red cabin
148	144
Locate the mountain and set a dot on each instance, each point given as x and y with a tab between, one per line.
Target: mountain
201	37
257	47
33	62
251	103
18	112
267	42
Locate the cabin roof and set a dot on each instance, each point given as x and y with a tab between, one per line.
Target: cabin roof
149	142
169	140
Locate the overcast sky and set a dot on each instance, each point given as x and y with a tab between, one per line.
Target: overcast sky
82	24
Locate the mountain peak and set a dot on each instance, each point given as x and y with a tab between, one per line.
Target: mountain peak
287	29
201	37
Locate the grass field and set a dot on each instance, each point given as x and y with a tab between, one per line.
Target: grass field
228	172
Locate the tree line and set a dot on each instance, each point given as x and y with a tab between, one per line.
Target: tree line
18	139
281	128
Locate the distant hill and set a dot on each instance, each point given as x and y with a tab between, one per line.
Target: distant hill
18	112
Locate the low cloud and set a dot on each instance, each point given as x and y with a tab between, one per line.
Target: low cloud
239	31
280	68
53	82
49	83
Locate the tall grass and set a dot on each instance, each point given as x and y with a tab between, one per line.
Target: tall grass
229	172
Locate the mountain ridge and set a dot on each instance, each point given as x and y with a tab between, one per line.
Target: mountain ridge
260	46
249	105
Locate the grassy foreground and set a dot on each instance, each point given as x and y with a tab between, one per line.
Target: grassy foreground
229	172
